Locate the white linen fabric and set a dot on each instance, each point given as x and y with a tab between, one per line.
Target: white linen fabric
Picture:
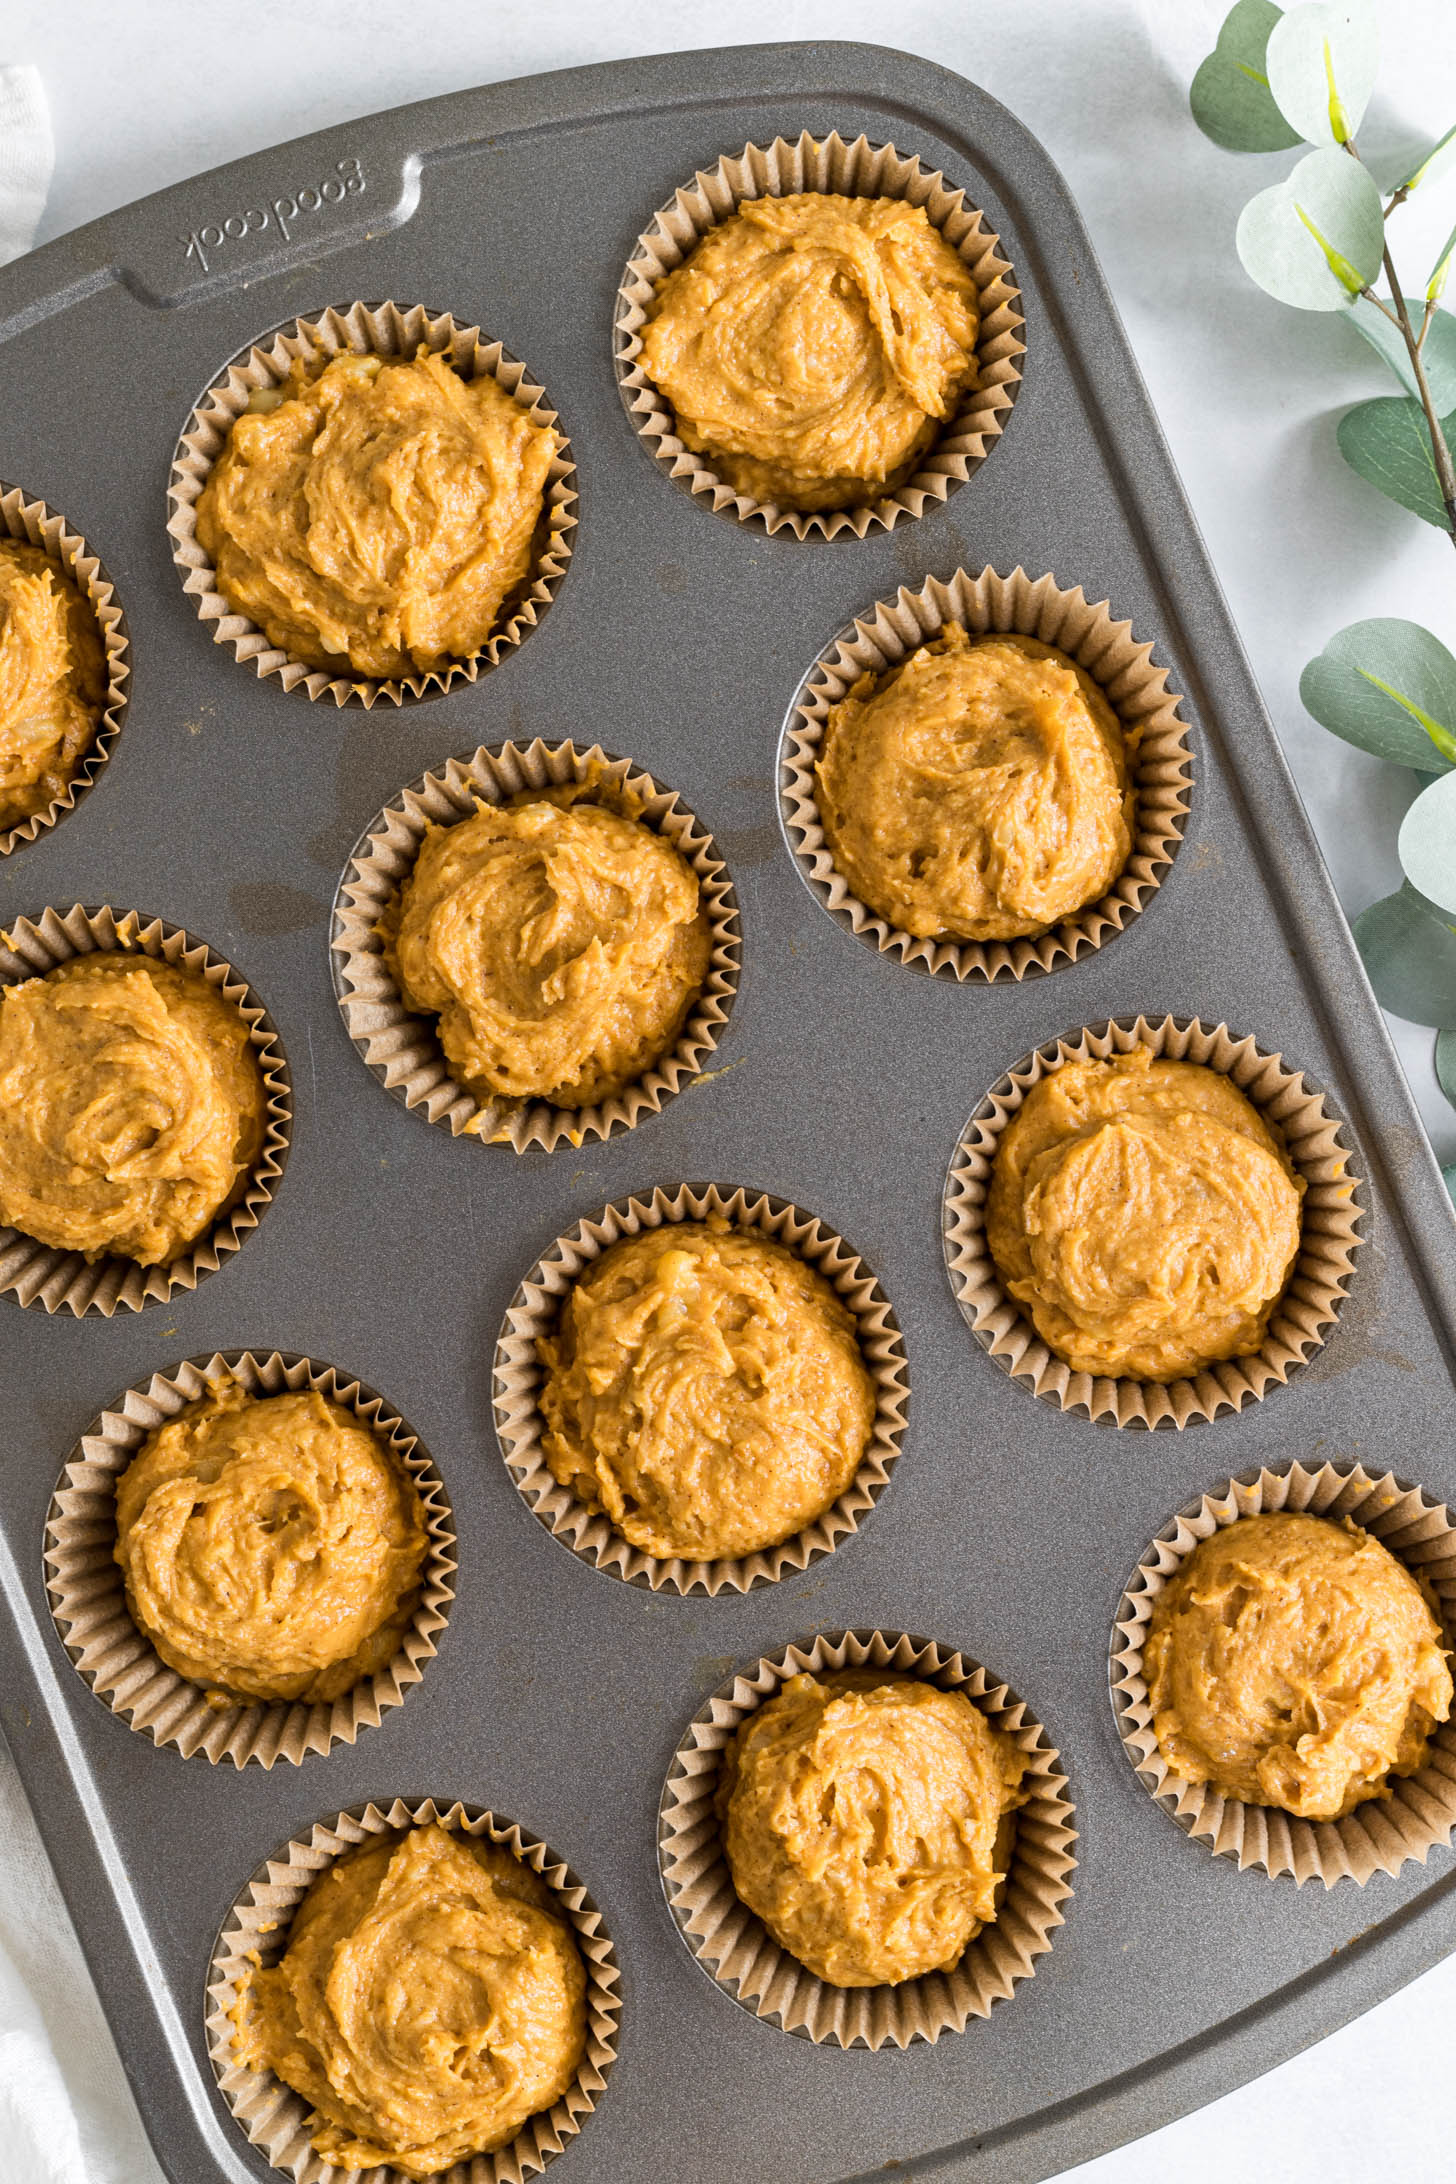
27	156
1247	393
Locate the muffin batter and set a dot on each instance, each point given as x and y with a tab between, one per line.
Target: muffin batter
431	2000
811	346
977	791
271	1546
131	1107
860	1817
373	514
1292	1661
705	1388
52	680
561	944
1143	1215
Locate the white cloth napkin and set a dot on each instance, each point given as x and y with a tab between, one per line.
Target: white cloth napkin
27	155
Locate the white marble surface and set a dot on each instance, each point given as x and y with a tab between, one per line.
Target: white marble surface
146	94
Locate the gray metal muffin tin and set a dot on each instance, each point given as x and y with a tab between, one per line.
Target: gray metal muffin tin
679	638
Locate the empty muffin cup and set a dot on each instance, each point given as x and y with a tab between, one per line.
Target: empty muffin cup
1381	1834
34	524
858	169
1158	759
519	1377
56	1280
735	1948
402	1048
1306	1311
116	1658
394	332
254	1935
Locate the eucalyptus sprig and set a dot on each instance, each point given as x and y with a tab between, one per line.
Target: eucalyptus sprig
1319	240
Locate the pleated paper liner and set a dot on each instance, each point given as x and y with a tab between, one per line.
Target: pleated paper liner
1157	746
117	1660
1306	1312
39	1274
736	1949
403	1049
38	525
518	1378
1379	1836
384	329
858	169
255	1933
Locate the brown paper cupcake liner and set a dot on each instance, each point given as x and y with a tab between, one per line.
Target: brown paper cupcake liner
115	1657
384	329
518	1377
39	525
1158	758
1304	1315
255	1933
39	1274
736	1949
1379	1836
860	169
403	1049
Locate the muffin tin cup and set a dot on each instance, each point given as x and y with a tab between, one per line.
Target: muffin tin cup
39	1274
403	1049
518	1379
735	1948
1159	758
1379	1836
858	169
1305	1314
255	1933
116	1658
384	329
38	525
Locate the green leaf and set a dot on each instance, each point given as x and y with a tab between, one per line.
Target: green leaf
1426	844
1388	687
1315	240
1446	1063
1438	354
1321	64
1431	163
1410	954
1387	442
1436	285
1230	94
1448	1177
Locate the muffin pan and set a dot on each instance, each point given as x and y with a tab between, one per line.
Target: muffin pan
842	1083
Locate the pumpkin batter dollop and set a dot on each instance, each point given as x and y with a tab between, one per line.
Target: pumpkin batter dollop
811	346
860	1818
1144	1215
52	680
271	1545
561	944
429	2003
1292	1661
705	1388
373	515
131	1107
978	791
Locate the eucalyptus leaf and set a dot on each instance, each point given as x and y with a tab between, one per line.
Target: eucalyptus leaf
1315	239
1436	285
1438	352
1448	1177
1388	687
1322	63
1230	94
1426	844
1431	163
1388	443
1410	954
1446	1063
